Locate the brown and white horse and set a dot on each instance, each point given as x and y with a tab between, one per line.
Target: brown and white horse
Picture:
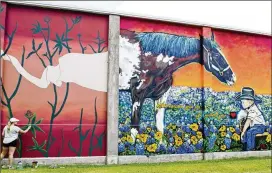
148	61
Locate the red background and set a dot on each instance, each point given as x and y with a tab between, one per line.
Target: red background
30	97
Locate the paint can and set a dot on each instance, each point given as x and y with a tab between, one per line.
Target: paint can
20	165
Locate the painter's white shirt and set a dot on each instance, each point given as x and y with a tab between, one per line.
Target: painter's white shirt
252	113
11	135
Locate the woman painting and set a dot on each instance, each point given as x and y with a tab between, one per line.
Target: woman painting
10	134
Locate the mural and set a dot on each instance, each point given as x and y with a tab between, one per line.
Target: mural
57	64
178	86
250	58
182	89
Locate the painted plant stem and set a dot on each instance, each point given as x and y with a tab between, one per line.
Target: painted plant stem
19	149
9	99
60	43
99	138
81	46
82	137
7	103
99	42
10	38
93	130
54	115
62	143
50	57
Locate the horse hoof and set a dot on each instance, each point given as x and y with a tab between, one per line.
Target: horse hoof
134	133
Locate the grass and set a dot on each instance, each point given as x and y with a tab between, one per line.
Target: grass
247	165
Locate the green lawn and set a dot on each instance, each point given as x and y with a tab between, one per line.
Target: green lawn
248	165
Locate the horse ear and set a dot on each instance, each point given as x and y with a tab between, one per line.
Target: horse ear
212	37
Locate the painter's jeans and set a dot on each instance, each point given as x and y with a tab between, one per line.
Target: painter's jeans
249	136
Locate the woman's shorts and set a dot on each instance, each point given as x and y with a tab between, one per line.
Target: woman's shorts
11	144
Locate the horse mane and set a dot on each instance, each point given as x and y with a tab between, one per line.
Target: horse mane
130	35
168	44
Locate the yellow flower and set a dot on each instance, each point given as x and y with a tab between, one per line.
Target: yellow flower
223	134
143	137
194	140
268	138
129	139
123	139
194	127
127	120
235	137
232	129
152	148
158	135
148	129
199	135
223	147
223	128
178	141
169	126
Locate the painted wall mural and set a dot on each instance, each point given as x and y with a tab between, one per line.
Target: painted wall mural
182	89
54	76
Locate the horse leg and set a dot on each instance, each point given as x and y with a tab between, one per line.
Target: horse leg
160	111
135	120
137	101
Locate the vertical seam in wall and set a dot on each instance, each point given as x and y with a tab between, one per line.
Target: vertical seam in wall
113	83
202	91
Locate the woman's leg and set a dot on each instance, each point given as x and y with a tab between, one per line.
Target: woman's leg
11	153
4	152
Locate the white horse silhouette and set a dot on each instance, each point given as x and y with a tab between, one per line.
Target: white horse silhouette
86	70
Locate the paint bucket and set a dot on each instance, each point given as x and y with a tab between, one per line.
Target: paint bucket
20	165
34	164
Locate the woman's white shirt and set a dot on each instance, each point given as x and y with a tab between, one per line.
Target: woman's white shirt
11	135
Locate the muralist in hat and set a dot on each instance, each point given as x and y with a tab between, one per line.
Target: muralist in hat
248	94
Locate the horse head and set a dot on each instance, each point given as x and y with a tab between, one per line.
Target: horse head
215	61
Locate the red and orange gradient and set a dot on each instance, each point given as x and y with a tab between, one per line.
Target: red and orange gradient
248	55
31	97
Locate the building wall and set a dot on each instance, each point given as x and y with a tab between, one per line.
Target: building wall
67	120
173	97
181	102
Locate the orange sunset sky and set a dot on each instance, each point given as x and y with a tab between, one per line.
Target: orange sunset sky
29	96
248	55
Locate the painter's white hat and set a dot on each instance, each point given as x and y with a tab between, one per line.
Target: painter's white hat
13	120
